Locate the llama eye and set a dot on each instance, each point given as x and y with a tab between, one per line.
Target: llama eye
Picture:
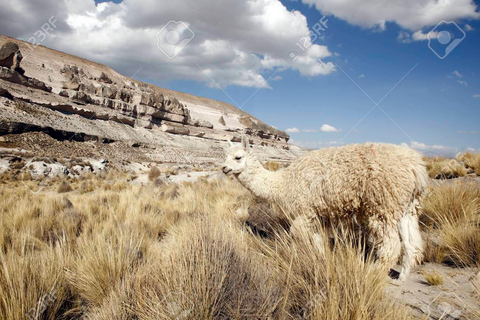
238	158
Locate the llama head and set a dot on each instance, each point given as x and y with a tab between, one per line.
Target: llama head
236	159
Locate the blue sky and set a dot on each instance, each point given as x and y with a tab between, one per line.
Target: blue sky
429	106
371	51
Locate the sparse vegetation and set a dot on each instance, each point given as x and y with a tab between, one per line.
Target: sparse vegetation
445	168
471	160
434	278
452	214
63	187
154	173
464	164
126	253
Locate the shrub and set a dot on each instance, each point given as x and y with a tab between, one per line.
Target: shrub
434	278
64	187
471	160
154	173
452	213
444	168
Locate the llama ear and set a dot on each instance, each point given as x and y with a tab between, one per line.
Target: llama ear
245	143
230	144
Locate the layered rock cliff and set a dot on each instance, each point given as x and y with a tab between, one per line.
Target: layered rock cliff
69	98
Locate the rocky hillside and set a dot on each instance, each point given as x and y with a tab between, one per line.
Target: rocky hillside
49	95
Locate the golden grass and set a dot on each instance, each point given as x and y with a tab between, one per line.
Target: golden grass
471	160
434	278
153	173
452	214
64	187
444	168
123	251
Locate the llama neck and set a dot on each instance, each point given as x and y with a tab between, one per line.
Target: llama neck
260	181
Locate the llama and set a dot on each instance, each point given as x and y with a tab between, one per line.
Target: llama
378	185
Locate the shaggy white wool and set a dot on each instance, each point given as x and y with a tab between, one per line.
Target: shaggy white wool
379	185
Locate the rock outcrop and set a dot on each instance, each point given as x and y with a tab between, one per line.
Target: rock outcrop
50	91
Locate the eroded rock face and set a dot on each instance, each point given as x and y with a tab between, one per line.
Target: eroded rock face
79	89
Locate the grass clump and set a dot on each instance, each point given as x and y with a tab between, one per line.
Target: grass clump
126	253
471	161
64	187
445	168
452	214
434	278
154	173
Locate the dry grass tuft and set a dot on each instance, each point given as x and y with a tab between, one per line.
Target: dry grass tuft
434	278
445	168
471	160
121	251
64	187
452	213
153	173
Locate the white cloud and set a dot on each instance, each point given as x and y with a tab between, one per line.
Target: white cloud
468	28
469	132
476	96
235	44
457	74
309	130
405	37
329	128
463	83
361	76
420	36
292	130
432	150
410	14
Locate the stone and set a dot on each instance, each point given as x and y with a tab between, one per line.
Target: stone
170	128
72	84
64	93
5	93
202	123
10	56
104	78
222	121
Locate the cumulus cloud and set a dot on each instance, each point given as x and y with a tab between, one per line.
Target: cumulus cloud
432	150
410	14
420	36
329	128
292	130
406	37
235	44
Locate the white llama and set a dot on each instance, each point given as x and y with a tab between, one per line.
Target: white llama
379	185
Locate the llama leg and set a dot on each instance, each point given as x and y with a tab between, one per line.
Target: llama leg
412	244
302	228
386	242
